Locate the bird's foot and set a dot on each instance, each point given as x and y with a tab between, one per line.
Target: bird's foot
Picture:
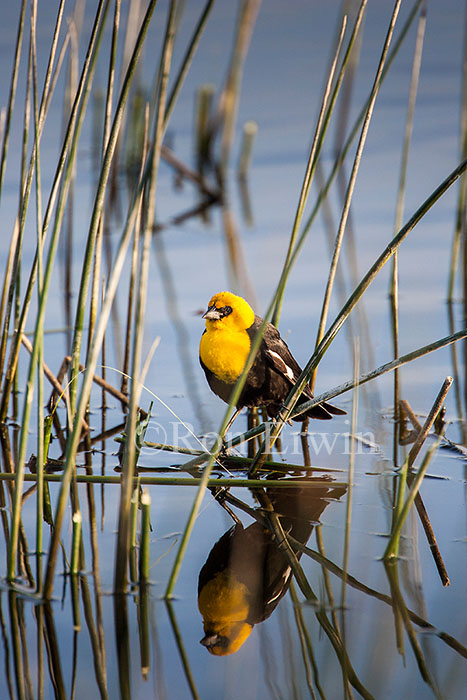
220	495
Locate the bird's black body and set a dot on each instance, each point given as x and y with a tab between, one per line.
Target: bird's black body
270	378
251	557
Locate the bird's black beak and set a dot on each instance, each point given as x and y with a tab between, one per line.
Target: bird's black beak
212	314
210	640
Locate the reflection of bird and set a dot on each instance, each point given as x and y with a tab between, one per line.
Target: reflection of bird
246	573
231	326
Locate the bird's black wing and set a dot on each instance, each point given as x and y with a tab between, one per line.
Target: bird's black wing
279	356
276	353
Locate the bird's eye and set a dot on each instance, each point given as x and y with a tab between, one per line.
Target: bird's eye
226	310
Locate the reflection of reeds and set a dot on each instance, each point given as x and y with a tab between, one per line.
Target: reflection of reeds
181	650
348	519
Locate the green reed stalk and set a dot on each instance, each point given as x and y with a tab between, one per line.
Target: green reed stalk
24	155
318	140
416	65
462	197
186	61
227	113
204	481
331	601
53	653
353	132
262	451
12	95
96	291
394	281
40	339
111	77
387	367
97	30
134	263
332	633
15	245
99	201
402	510
172	448
96	271
275	526
250	129
129	459
352	181
180	481
65	162
231	460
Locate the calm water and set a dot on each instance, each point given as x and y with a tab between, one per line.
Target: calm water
288	655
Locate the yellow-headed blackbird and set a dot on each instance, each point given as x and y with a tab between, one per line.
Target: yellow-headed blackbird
231	325
247	573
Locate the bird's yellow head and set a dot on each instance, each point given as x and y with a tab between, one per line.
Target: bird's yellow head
228	311
224	604
225	639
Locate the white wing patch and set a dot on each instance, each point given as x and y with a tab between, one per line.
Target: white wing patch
281	365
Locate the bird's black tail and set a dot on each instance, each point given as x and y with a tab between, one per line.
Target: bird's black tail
323	411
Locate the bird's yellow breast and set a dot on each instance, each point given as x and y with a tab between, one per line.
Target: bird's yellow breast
223	599
225	352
